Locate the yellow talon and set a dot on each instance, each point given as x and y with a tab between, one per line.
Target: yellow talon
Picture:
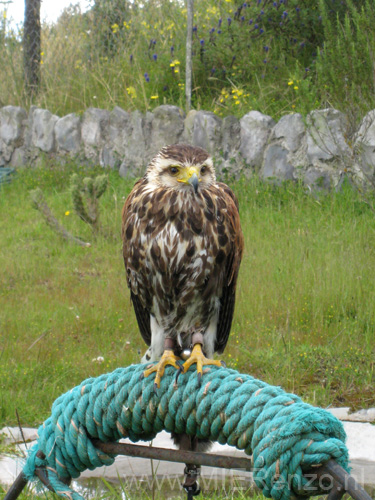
198	357
168	358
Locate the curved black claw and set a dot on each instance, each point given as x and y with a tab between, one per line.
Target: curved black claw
142	376
223	363
180	364
199	379
181	370
156	388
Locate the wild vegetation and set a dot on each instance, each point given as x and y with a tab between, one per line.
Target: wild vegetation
272	56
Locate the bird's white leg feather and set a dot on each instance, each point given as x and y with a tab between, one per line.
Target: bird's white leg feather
210	336
156	349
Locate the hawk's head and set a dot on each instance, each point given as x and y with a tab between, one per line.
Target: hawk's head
181	167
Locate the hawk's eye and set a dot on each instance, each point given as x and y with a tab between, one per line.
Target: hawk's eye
174	170
203	169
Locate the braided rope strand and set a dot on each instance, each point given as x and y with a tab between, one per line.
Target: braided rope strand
285	436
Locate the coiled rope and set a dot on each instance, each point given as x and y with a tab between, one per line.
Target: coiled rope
285	436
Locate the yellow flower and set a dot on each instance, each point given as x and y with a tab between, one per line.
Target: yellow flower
131	92
67	212
175	62
154	97
115	28
290	82
295	87
237	102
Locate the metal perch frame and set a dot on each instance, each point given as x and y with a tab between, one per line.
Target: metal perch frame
341	481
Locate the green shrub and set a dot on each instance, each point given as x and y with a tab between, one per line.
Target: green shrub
345	65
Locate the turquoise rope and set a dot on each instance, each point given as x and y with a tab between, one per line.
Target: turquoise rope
285	436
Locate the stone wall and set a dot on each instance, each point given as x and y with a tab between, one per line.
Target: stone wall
318	149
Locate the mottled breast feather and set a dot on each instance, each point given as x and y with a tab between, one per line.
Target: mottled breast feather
182	251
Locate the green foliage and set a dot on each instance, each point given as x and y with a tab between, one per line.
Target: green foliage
265	55
345	65
85	195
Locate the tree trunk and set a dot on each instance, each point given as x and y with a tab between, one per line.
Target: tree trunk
31	46
189	50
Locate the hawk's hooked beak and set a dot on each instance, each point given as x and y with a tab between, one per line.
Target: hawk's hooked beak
191	176
194	181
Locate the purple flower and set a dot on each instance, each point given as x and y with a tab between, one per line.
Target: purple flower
256	26
229	21
242	18
213	70
250	22
212	30
155	57
302	44
218	32
262	12
307	70
266	48
298	10
131	58
147	78
261	31
265	61
172	50
220	21
201	42
284	14
195	29
275	4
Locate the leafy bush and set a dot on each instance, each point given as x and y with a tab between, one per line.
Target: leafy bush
345	64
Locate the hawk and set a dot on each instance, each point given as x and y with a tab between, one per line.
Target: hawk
182	247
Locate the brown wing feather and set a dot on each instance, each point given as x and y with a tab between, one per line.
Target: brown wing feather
143	318
234	255
129	215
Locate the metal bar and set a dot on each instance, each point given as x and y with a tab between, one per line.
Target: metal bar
17	487
345	480
337	492
181	456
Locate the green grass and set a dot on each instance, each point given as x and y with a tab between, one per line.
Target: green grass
305	314
114	492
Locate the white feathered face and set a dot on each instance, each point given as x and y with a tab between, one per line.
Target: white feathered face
182	167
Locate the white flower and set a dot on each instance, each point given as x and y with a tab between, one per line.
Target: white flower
99	359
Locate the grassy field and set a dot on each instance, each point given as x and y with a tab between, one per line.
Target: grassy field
305	315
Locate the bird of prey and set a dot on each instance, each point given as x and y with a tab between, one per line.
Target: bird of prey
182	247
